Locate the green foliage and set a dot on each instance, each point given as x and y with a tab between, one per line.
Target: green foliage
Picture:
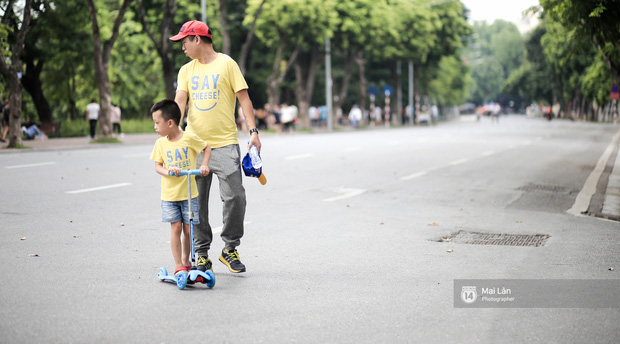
385	30
594	23
496	51
452	81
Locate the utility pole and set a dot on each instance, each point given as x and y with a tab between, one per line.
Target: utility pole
328	86
203	9
411	103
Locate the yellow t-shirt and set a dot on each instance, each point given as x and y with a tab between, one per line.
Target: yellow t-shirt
211	89
181	154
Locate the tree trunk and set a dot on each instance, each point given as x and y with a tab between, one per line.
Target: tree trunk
341	93
10	73
225	34
163	45
31	81
361	67
15	113
101	57
245	48
305	74
394	110
278	73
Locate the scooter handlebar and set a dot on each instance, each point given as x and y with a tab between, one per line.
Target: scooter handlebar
186	172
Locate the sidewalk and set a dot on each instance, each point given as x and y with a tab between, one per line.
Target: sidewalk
611	202
77	142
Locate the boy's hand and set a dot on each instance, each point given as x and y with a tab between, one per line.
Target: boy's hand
175	170
204	170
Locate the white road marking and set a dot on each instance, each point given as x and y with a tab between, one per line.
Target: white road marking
352	149
137	155
458	162
582	202
348	193
487	153
99	188
415	175
33	165
301	156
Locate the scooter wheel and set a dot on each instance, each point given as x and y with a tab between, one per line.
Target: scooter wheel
181	280
211	282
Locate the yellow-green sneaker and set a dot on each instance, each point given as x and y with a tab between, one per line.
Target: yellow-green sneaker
203	264
231	259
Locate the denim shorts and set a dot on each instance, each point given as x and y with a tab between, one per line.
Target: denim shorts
171	211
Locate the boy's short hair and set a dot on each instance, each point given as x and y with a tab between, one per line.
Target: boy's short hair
169	110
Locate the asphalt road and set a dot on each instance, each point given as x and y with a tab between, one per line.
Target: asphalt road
343	244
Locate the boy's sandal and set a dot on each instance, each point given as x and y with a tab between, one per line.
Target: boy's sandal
181	268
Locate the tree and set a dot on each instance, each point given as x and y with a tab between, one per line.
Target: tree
163	44
533	79
496	51
101	55
11	71
595	22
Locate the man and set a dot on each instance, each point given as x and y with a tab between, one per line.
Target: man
92	114
211	82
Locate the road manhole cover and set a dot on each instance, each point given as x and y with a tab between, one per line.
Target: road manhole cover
544	188
475	238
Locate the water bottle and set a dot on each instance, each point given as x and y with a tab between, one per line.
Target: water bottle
257	164
256	161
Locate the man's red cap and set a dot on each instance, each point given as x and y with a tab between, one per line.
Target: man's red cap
192	28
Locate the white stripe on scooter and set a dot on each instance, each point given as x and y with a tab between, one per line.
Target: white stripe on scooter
99	188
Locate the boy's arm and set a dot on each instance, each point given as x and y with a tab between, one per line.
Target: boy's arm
159	168
204	166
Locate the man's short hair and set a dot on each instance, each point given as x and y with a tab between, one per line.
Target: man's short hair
169	110
205	39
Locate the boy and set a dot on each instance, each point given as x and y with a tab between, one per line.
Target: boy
174	151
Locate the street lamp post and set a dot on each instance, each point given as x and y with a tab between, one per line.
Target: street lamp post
328	85
203	9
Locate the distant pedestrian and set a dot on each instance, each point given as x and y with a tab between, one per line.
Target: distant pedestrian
92	114
355	116
116	119
6	112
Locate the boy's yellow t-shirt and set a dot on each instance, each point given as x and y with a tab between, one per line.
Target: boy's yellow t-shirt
211	89
181	154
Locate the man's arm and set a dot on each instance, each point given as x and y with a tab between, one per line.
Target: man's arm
248	113
181	99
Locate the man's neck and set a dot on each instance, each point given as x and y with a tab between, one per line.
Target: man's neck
208	55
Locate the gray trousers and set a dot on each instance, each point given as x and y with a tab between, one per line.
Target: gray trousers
225	164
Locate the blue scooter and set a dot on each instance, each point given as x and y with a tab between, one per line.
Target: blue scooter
182	279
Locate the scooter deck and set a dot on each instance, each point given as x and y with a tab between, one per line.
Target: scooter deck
180	279
184	278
